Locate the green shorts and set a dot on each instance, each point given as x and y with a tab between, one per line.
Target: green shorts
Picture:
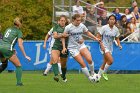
60	49
6	53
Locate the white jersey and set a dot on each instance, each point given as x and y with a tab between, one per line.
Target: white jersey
75	33
108	36
51	42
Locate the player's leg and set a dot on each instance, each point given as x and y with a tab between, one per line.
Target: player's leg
101	70
55	58
63	68
108	61
14	59
86	54
4	63
80	60
59	67
49	66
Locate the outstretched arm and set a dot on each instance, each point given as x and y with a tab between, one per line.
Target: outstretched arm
20	43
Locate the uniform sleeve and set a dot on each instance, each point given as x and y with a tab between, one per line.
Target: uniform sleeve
66	29
20	34
84	28
50	32
101	31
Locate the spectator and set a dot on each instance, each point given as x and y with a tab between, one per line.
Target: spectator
116	12
91	21
127	13
136	14
101	9
88	7
122	24
77	9
134	28
134	3
127	31
103	20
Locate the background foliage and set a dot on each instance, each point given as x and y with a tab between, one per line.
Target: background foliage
36	14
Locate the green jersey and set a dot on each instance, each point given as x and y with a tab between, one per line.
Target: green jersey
58	43
10	38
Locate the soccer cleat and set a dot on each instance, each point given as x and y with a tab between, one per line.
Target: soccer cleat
56	78
105	76
44	74
19	84
65	80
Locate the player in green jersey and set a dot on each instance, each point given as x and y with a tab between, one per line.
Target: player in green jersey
10	37
57	48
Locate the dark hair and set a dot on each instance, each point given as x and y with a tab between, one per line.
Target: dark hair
112	16
62	16
123	16
76	16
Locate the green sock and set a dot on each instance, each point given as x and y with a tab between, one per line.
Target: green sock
18	74
64	70
55	69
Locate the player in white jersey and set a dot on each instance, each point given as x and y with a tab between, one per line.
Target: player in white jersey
49	65
76	45
107	34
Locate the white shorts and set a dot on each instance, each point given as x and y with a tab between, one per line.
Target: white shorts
106	50
75	51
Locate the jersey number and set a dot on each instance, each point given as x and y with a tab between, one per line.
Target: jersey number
7	33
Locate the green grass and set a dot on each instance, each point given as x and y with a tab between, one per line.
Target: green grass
34	82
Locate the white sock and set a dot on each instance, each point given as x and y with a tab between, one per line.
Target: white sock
106	67
59	68
91	67
100	71
48	68
85	71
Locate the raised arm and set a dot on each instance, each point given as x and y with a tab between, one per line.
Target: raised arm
20	43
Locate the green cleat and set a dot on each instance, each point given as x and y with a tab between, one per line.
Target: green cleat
105	76
56	78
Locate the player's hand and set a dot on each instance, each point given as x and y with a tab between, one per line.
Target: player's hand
28	58
64	51
44	46
65	35
120	47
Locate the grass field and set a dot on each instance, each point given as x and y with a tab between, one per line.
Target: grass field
34	82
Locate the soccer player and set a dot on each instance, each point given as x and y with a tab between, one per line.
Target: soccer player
49	65
57	48
10	37
76	45
107	34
